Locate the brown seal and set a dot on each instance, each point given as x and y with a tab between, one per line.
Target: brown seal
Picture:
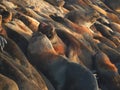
57	68
115	26
105	41
81	29
83	17
106	31
12	58
6	15
58	3
113	5
29	21
49	31
61	40
108	75
112	53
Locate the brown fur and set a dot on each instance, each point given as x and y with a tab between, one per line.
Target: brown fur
107	72
14	69
2	31
49	31
59	44
33	14
113	54
111	16
78	2
106	31
83	17
58	3
76	50
7	84
6	15
19	27
72	50
81	29
113	5
103	63
29	21
14	59
72	26
55	67
105	41
21	68
115	26
104	20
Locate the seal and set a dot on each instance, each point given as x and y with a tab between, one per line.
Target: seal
114	26
59	4
75	2
106	31
61	40
57	68
49	31
113	5
6	15
29	21
83	17
109	15
105	41
18	62
8	33
112	53
108	75
82	29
